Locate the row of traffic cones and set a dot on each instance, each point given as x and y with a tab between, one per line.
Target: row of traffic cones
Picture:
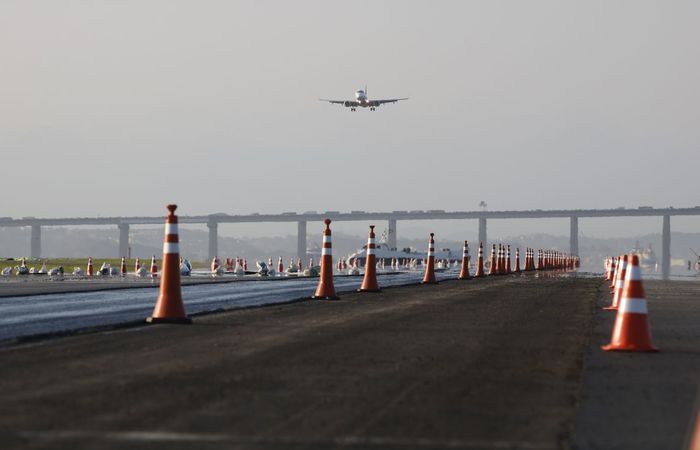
631	331
169	307
139	270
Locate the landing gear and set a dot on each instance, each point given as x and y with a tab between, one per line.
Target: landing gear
352	109
372	108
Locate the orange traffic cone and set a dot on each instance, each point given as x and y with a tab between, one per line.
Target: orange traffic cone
325	289
137	265
122	267
429	277
369	283
169	307
619	284
616	272
516	269
608	269
464	273
508	268
480	261
492	260
154	267
90	271
631	332
280	266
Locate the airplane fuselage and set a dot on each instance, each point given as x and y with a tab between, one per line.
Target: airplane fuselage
361	97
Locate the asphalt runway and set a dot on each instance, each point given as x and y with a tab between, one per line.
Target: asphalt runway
63	306
497	363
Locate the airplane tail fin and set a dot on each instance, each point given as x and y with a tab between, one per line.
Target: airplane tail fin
366	90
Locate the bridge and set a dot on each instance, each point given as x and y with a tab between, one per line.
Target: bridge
212	221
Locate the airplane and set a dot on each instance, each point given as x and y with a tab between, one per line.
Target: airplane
361	100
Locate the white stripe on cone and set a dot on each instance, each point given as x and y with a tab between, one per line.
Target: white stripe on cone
170	248
633	305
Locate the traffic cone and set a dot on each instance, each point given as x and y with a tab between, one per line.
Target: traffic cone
619	284
615	274
516	269
122	267
492	260
280	265
325	289
508	268
90	271
169	307
464	273
137	265
429	277
214	264
480	261
526	267
154	267
369	283
631	332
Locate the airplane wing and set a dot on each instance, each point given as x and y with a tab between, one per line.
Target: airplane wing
388	100
347	103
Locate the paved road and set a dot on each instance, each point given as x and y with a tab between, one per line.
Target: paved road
644	400
491	363
22	316
497	363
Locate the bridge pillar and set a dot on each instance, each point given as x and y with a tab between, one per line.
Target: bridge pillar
482	231
123	240
35	243
391	238
301	240
573	236
213	239
666	247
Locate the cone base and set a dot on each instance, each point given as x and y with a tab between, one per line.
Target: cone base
330	297
610	308
628	348
428	282
464	278
172	320
375	290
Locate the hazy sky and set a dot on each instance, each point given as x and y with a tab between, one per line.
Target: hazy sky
118	107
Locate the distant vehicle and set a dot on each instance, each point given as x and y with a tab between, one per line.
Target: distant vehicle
361	100
332	212
404	212
436	211
356	212
416	211
5	218
620	207
310	212
644	207
290	213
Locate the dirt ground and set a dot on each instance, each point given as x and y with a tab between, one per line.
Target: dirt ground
494	363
